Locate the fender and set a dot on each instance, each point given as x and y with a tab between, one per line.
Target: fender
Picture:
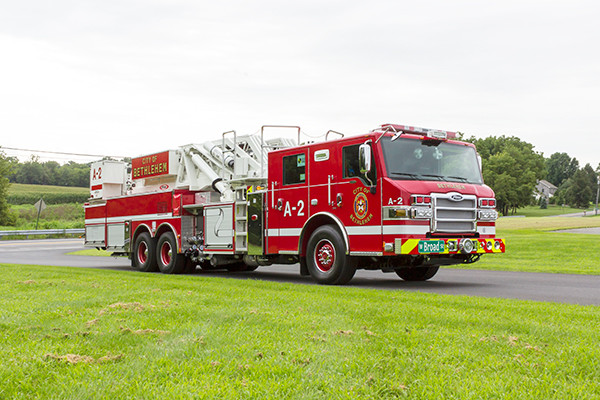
139	228
335	219
162	228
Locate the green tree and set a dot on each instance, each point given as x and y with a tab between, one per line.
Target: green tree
512	168
560	167
592	176
579	192
32	172
6	217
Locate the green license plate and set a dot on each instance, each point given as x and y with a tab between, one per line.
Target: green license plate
431	246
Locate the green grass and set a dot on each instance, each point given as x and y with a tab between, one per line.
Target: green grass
91	252
536	211
21	188
80	333
532	246
29	194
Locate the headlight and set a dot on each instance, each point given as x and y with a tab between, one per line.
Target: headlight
421	213
488	215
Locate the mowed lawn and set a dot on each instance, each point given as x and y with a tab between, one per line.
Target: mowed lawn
88	334
532	245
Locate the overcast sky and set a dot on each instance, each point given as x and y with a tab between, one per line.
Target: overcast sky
123	77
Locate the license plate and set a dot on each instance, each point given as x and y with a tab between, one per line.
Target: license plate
431	246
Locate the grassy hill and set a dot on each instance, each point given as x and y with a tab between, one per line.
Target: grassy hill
19	193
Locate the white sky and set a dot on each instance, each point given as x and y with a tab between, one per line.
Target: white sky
126	77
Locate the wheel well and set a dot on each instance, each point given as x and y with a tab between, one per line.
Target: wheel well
138	231
315	222
167	228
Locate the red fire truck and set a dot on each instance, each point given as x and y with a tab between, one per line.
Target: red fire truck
398	199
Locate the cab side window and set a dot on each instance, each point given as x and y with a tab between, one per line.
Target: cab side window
294	169
350	161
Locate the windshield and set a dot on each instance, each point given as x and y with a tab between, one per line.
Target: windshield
412	159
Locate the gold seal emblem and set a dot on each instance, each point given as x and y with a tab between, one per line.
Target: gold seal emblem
361	205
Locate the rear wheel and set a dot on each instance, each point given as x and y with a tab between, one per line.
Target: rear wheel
417	274
326	257
169	262
144	253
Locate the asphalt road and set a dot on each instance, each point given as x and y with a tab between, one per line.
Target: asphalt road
574	289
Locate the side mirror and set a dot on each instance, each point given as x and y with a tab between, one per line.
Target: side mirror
364	158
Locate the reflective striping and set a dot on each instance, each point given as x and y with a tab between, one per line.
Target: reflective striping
120	219
91	221
144	217
405	229
363	230
290	231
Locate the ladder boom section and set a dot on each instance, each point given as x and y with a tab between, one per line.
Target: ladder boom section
226	164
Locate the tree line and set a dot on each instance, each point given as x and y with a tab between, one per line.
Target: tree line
49	173
512	168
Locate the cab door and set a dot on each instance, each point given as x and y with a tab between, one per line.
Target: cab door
360	211
288	202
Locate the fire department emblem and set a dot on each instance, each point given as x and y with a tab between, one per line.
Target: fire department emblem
361	206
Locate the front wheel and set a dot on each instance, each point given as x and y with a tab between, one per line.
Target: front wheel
169	262
417	274
326	257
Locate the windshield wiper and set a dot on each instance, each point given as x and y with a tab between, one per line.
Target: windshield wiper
459	178
412	176
440	177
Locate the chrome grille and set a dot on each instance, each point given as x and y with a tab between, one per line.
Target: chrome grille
454	213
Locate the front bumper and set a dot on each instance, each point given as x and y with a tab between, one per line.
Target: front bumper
449	246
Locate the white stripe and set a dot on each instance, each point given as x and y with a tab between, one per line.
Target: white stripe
90	221
405	229
363	230
290	231
272	232
145	217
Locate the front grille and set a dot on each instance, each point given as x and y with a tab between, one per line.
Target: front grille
454	213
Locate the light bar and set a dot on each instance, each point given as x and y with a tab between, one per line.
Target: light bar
415	130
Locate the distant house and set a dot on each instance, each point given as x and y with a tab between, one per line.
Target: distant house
544	189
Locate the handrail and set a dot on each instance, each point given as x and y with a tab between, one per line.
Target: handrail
262	142
332	131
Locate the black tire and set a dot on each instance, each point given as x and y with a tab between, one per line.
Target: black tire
143	257
326	257
417	274
167	258
189	267
240	267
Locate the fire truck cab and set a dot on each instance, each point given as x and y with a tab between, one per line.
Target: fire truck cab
399	199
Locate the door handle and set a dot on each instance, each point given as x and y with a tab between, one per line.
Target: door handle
338	200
